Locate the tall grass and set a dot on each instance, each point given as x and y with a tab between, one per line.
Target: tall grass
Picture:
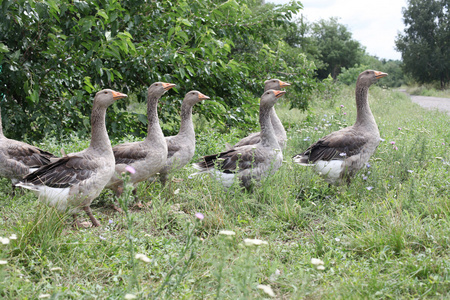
386	235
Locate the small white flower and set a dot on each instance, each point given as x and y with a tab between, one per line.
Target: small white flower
130	296
13	237
3	262
176	191
227	232
56	269
342	154
254	242
267	289
4	241
44	296
337	239
142	257
320	267
316	261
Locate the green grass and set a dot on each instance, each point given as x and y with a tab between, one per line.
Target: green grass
429	91
392	241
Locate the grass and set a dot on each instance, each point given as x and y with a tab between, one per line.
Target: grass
386	235
428	90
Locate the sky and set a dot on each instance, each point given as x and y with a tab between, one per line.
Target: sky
375	24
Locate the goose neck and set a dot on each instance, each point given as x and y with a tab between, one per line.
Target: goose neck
186	126
268	137
99	136
276	123
364	116
153	127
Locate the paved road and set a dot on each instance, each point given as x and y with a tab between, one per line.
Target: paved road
442	104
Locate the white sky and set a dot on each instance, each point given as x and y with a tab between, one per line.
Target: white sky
375	23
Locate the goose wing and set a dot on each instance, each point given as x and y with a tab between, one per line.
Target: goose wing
336	146
64	172
233	160
172	147
28	155
251	139
129	153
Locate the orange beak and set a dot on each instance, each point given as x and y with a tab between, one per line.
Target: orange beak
203	97
278	94
168	86
117	95
284	84
379	74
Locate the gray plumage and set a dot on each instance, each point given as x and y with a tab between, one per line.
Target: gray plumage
181	147
18	159
148	156
342	153
73	181
250	162
280	132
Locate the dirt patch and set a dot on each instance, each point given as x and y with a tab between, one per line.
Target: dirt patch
441	104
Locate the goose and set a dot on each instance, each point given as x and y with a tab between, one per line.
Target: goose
147	157
249	162
181	147
71	182
280	132
18	159
339	155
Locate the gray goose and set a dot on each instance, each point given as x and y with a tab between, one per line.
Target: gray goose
148	156
280	132
339	155
181	147
249	162
73	181
18	159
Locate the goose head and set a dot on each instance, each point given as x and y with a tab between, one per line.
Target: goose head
275	84
270	97
369	77
107	97
159	88
194	97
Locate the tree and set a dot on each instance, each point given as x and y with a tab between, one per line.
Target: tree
55	54
425	43
336	48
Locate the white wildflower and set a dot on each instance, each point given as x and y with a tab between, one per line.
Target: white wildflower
4	241
227	232
3	262
320	267
176	191
267	289
316	261
254	242
142	257
13	237
130	296
44	296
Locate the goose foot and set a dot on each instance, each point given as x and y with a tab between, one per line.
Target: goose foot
77	224
94	221
117	208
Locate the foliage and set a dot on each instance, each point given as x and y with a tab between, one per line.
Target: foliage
335	46
55	54
391	241
425	42
392	67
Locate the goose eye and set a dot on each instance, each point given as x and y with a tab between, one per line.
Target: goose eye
106	93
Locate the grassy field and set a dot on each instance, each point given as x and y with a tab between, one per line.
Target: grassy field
386	235
428	91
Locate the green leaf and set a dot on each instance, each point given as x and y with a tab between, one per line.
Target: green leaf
3	48
185	22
